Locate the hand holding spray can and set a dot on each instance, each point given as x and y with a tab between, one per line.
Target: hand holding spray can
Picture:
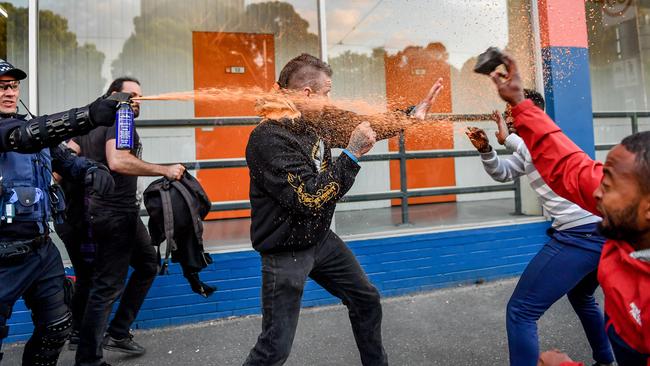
124	126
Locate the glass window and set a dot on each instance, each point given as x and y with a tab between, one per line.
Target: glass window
386	52
391	52
14	40
619	65
619	54
86	44
176	46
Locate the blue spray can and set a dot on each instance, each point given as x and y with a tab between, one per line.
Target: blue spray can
124	126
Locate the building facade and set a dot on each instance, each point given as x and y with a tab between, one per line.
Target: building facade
416	222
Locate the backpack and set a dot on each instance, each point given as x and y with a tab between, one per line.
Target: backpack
176	212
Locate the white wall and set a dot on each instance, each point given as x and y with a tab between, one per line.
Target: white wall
166	145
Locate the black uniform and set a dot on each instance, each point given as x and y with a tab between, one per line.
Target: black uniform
293	191
122	240
30	264
75	234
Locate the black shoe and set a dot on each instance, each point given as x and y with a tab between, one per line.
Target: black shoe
73	340
124	345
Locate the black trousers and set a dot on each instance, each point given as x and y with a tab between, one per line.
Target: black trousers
39	280
333	266
75	237
122	241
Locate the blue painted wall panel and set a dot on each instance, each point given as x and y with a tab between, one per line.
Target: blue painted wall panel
567	87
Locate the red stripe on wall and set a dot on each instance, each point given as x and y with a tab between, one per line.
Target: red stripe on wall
563	23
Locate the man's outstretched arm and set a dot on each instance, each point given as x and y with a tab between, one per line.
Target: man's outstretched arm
49	130
338	124
335	125
568	170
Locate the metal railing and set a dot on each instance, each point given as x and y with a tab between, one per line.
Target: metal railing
634	122
402	155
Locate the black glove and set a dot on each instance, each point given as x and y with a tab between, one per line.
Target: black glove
99	179
102	111
199	286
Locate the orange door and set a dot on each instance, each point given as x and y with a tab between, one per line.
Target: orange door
228	60
409	76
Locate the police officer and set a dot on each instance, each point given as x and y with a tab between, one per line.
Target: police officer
30	264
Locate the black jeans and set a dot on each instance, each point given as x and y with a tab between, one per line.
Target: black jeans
74	237
121	240
333	266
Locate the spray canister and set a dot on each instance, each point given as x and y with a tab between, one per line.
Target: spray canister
124	126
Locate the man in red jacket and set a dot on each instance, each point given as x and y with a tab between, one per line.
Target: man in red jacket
619	192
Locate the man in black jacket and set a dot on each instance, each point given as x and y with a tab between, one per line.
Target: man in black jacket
293	192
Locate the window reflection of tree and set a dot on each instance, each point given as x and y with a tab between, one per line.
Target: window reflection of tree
359	76
3	31
68	72
161	42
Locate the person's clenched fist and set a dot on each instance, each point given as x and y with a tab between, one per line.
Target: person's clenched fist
509	84
175	172
363	138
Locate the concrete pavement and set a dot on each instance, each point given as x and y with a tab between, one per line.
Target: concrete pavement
454	326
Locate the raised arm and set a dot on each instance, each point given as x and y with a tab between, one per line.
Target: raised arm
568	170
501	169
336	125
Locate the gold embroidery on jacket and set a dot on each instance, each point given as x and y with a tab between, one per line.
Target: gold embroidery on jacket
317	200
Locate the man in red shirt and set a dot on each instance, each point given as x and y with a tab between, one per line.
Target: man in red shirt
619	192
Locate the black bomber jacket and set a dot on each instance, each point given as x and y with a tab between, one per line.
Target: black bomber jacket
294	186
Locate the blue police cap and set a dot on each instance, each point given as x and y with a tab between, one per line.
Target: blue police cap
8	69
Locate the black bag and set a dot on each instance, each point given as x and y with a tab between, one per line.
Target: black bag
176	212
